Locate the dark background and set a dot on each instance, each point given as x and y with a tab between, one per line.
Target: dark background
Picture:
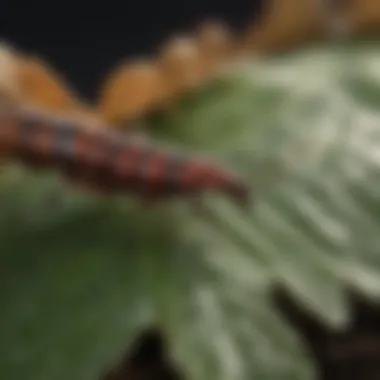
85	42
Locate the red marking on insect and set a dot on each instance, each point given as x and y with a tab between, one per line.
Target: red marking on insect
154	172
125	166
9	134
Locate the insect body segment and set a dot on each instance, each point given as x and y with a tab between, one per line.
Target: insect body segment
108	160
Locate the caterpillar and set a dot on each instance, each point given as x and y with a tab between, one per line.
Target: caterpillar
109	160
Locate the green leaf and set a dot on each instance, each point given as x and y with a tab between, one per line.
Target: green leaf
311	155
80	275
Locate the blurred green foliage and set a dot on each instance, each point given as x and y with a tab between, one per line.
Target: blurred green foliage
81	275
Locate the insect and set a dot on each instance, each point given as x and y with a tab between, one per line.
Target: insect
109	161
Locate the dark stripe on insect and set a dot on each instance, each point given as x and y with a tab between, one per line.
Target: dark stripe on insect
174	175
126	158
63	155
65	135
142	181
28	129
26	150
113	148
8	133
